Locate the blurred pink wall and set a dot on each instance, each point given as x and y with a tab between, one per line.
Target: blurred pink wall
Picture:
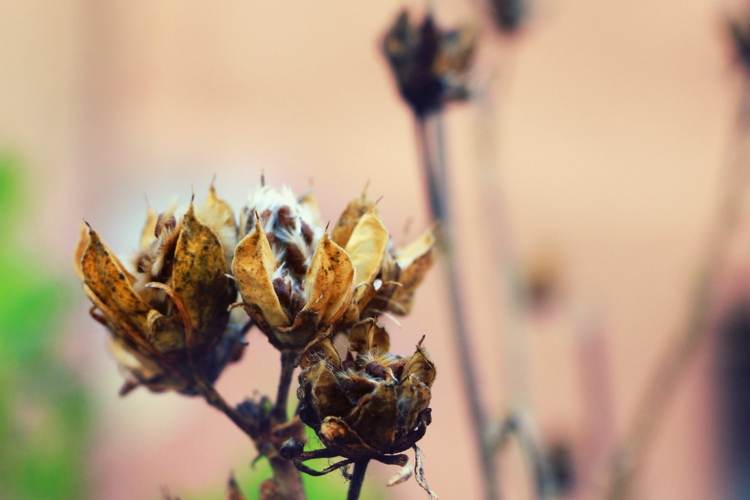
613	123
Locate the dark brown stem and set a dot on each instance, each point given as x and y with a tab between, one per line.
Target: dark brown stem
285	474
433	171
358	477
285	382
213	398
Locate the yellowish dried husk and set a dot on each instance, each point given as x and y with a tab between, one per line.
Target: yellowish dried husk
252	267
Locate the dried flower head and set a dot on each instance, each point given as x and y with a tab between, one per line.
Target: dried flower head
387	276
374	405
169	315
299	283
430	65
295	281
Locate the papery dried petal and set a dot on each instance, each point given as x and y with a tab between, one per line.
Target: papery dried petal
421	365
109	281
368	336
337	435
413	397
366	247
402	475
376	416
252	268
358	207
413	262
329	282
199	279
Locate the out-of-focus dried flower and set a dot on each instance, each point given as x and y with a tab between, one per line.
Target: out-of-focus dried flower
169	316
372	406
508	15
543	279
430	65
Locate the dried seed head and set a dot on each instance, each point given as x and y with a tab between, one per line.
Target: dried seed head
430	65
373	406
174	306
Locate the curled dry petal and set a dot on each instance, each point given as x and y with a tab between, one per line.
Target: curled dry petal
375	417
107	279
369	336
413	261
336	434
329	282
419	470
253	267
421	365
402	475
366	247
199	279
349	218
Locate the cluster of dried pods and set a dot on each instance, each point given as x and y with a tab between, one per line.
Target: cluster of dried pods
173	325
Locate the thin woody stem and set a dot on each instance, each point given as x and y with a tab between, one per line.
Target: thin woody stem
358	477
285	381
673	364
213	398
285	475
433	162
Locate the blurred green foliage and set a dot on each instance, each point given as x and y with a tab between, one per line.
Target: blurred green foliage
44	409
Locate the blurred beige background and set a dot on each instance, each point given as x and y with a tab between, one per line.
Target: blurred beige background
613	120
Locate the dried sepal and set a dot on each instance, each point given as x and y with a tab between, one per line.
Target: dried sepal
421	365
402	475
369	336
336	434
252	267
366	246
109	281
199	279
329	281
354	211
413	262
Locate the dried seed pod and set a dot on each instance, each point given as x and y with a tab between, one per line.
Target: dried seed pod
171	313
430	65
362	409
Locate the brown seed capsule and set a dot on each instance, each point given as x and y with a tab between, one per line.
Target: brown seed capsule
175	305
283	291
370	414
376	370
285	218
